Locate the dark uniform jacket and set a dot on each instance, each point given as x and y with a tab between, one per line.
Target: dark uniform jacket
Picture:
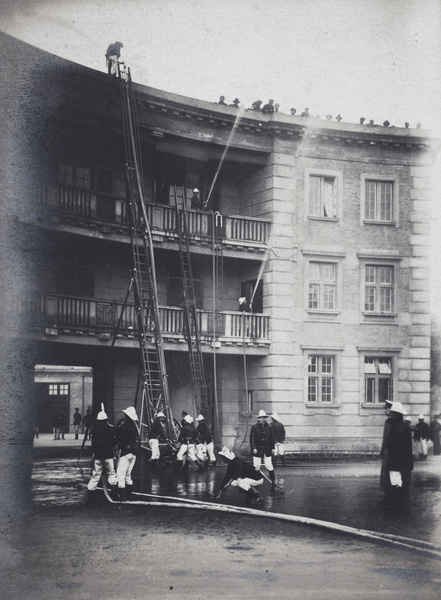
262	439
238	468
399	447
127	437
188	434
113	50
103	440
279	431
421	431
204	433
158	431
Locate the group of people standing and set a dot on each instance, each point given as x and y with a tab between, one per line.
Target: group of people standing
109	441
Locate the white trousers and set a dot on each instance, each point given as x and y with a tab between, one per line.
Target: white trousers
245	483
112	60
257	462
187	448
124	470
154	447
98	465
279	449
422	447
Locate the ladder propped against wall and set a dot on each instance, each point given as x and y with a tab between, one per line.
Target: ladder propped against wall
155	393
191	328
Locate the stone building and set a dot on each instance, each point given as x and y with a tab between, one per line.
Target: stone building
324	225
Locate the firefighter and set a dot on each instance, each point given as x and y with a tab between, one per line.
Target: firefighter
158	434
127	436
188	441
240	474
262	444
205	448
103	442
113	53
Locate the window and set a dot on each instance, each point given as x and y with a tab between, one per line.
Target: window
379	289
320	378
322	285
175	289
250	401
378	203
58	389
378	380
75	176
323	194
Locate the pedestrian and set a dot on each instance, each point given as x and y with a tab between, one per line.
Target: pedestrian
384	474
235	103
127	437
262	444
242	475
56	425
435	429
293	111
421	435
399	456
305	113
206	446
113	53
62	423
279	437
77	419
187	438
36	431
196	201
103	447
222	100
158	434
269	107
257	105
87	424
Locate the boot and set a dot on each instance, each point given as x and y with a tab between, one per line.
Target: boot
200	465
122	494
273	479
129	489
283	460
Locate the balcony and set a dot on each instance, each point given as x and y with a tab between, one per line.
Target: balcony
107	214
97	320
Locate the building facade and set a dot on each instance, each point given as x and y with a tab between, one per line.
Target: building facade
324	228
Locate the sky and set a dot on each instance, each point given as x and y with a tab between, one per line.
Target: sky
380	59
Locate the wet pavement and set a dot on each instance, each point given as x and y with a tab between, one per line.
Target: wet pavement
75	551
339	492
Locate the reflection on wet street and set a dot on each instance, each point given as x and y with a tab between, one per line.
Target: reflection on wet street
343	493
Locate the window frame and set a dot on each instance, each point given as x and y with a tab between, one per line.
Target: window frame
378	178
325	174
333	353
323	258
390	354
378	262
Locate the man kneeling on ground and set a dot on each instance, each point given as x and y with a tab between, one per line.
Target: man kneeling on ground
242	475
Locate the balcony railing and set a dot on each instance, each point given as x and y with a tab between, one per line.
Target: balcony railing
108	209
86	315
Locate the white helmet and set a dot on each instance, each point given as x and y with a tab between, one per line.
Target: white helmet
101	416
195	191
131	413
229	454
200	418
160	414
188	418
